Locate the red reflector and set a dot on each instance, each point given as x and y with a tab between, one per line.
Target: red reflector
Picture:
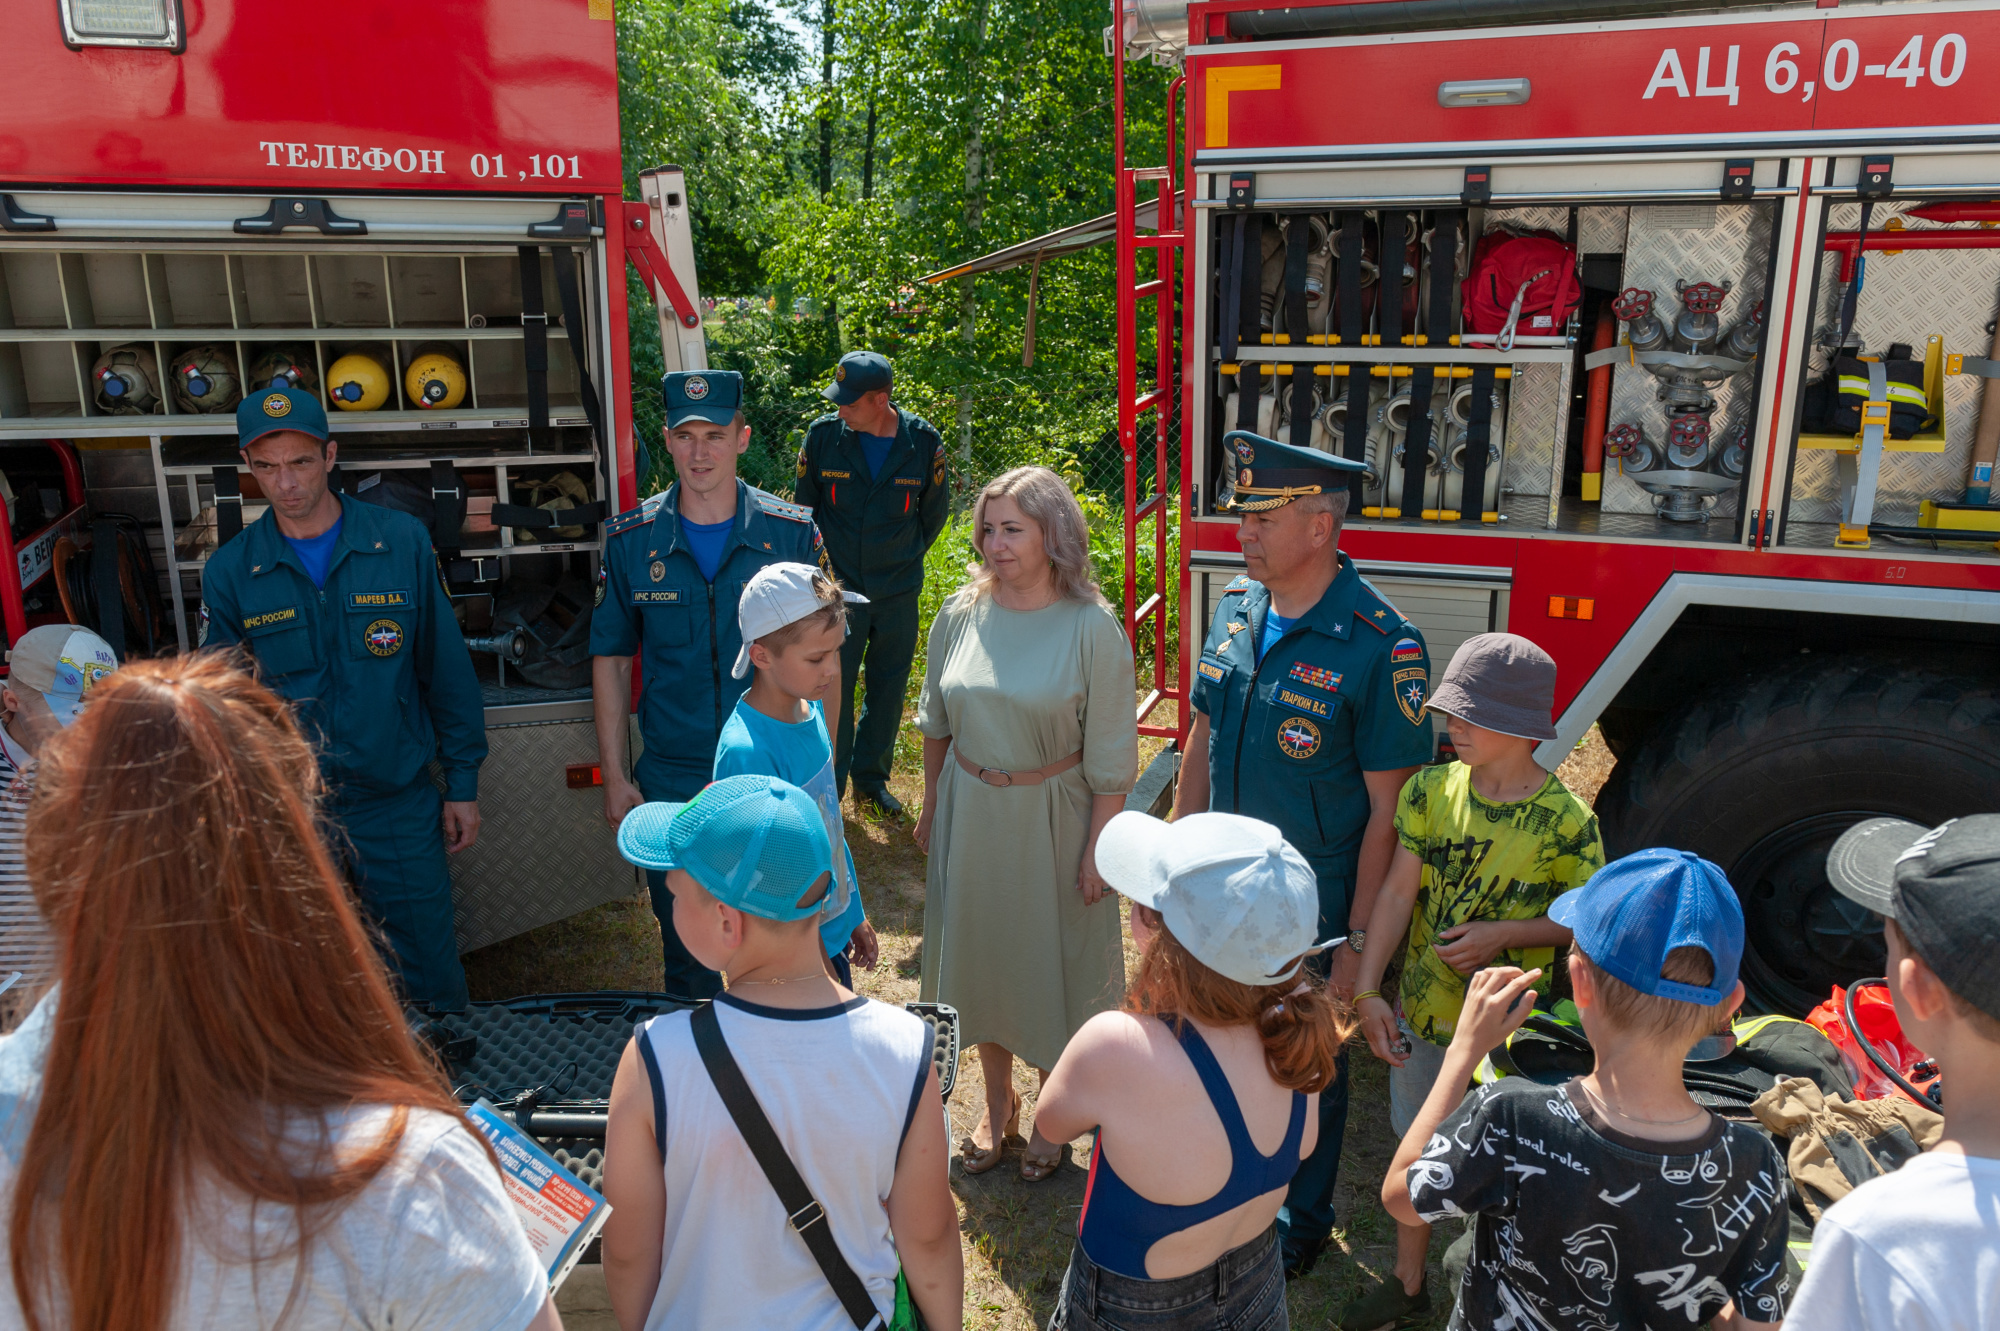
1572	607
582	776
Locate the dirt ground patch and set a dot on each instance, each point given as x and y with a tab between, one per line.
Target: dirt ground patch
1017	1236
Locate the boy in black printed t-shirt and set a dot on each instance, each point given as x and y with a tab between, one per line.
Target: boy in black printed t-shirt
1614	1201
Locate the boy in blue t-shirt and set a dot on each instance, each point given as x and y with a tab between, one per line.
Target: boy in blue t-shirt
794	619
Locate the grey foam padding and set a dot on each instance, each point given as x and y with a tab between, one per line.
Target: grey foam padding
581	1156
528	1042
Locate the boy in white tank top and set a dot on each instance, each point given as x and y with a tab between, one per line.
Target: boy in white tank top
698	1238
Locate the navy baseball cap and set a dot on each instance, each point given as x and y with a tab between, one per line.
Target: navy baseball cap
701	395
1636	910
270	410
755	842
1259	474
858	372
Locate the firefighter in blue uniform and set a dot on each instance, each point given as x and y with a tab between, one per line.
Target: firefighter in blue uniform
874	477
344	612
1308	713
674	569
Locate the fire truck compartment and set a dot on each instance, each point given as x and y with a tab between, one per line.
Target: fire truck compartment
139	292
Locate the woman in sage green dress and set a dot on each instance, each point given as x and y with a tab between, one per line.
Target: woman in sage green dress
1030	747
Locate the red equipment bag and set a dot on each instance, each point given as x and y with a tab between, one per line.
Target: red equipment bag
1876	1016
1522	283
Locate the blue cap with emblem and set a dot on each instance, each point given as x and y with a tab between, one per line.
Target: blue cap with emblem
1260	474
858	372
287	407
701	395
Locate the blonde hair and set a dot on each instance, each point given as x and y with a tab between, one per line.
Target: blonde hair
1672	1022
1045	500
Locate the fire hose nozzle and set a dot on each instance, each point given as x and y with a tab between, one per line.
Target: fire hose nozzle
510	645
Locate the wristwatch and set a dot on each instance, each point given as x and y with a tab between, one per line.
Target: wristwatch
1358	939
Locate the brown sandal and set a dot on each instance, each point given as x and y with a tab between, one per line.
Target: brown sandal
973	1158
1035	1166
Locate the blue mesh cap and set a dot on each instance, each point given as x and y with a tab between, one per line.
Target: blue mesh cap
1636	910
755	842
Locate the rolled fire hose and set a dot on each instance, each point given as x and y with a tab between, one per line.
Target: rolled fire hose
1597	408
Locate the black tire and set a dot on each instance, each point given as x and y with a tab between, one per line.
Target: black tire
1761	775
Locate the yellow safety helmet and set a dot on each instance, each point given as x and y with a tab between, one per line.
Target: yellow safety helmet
435	378
357	382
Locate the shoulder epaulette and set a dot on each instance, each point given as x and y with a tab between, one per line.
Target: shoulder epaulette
1382	615
779	508
637	517
831	418
1240	583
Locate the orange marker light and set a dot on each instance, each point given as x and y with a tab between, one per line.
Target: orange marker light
1572	607
582	776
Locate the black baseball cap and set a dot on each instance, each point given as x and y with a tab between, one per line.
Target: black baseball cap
1942	888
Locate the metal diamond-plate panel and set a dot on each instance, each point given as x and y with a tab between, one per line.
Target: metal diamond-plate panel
1693	243
1905	298
1535	420
544	853
1531	219
1601	230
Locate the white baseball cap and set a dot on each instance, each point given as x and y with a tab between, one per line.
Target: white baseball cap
62	662
1233	891
777	595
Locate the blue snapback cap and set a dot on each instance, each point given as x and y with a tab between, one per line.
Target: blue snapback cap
1636	910
701	395
858	372
754	842
286	407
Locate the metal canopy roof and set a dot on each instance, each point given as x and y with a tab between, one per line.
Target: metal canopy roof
1051	245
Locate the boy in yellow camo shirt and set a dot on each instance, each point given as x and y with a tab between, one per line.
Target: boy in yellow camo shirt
1486	843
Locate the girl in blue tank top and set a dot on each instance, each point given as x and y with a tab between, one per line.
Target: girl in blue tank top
1201	1088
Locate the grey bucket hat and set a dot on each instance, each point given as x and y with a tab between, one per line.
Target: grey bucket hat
1499	681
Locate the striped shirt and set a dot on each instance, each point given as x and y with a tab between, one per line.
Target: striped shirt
24	938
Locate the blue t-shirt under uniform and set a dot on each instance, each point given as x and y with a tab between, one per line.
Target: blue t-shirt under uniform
316	552
706	541
1274	629
875	451
754	744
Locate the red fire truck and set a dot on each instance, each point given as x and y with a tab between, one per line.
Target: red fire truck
1781	606
418	214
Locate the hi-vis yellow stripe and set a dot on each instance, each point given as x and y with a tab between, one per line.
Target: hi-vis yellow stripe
1908	394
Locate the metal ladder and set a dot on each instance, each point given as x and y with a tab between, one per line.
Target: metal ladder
1170	675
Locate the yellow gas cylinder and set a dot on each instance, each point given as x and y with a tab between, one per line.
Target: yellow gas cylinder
435	378
357	382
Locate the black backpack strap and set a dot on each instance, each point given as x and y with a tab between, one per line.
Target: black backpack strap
805	1215
1417	442
1444	277
535	345
572	311
228	504
1389	277
1298	243
447	507
1478	443
104	587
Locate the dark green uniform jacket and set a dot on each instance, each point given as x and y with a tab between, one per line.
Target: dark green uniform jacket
653	603
877	530
1341	693
373	663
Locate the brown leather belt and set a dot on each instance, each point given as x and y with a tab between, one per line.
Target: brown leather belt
994	776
